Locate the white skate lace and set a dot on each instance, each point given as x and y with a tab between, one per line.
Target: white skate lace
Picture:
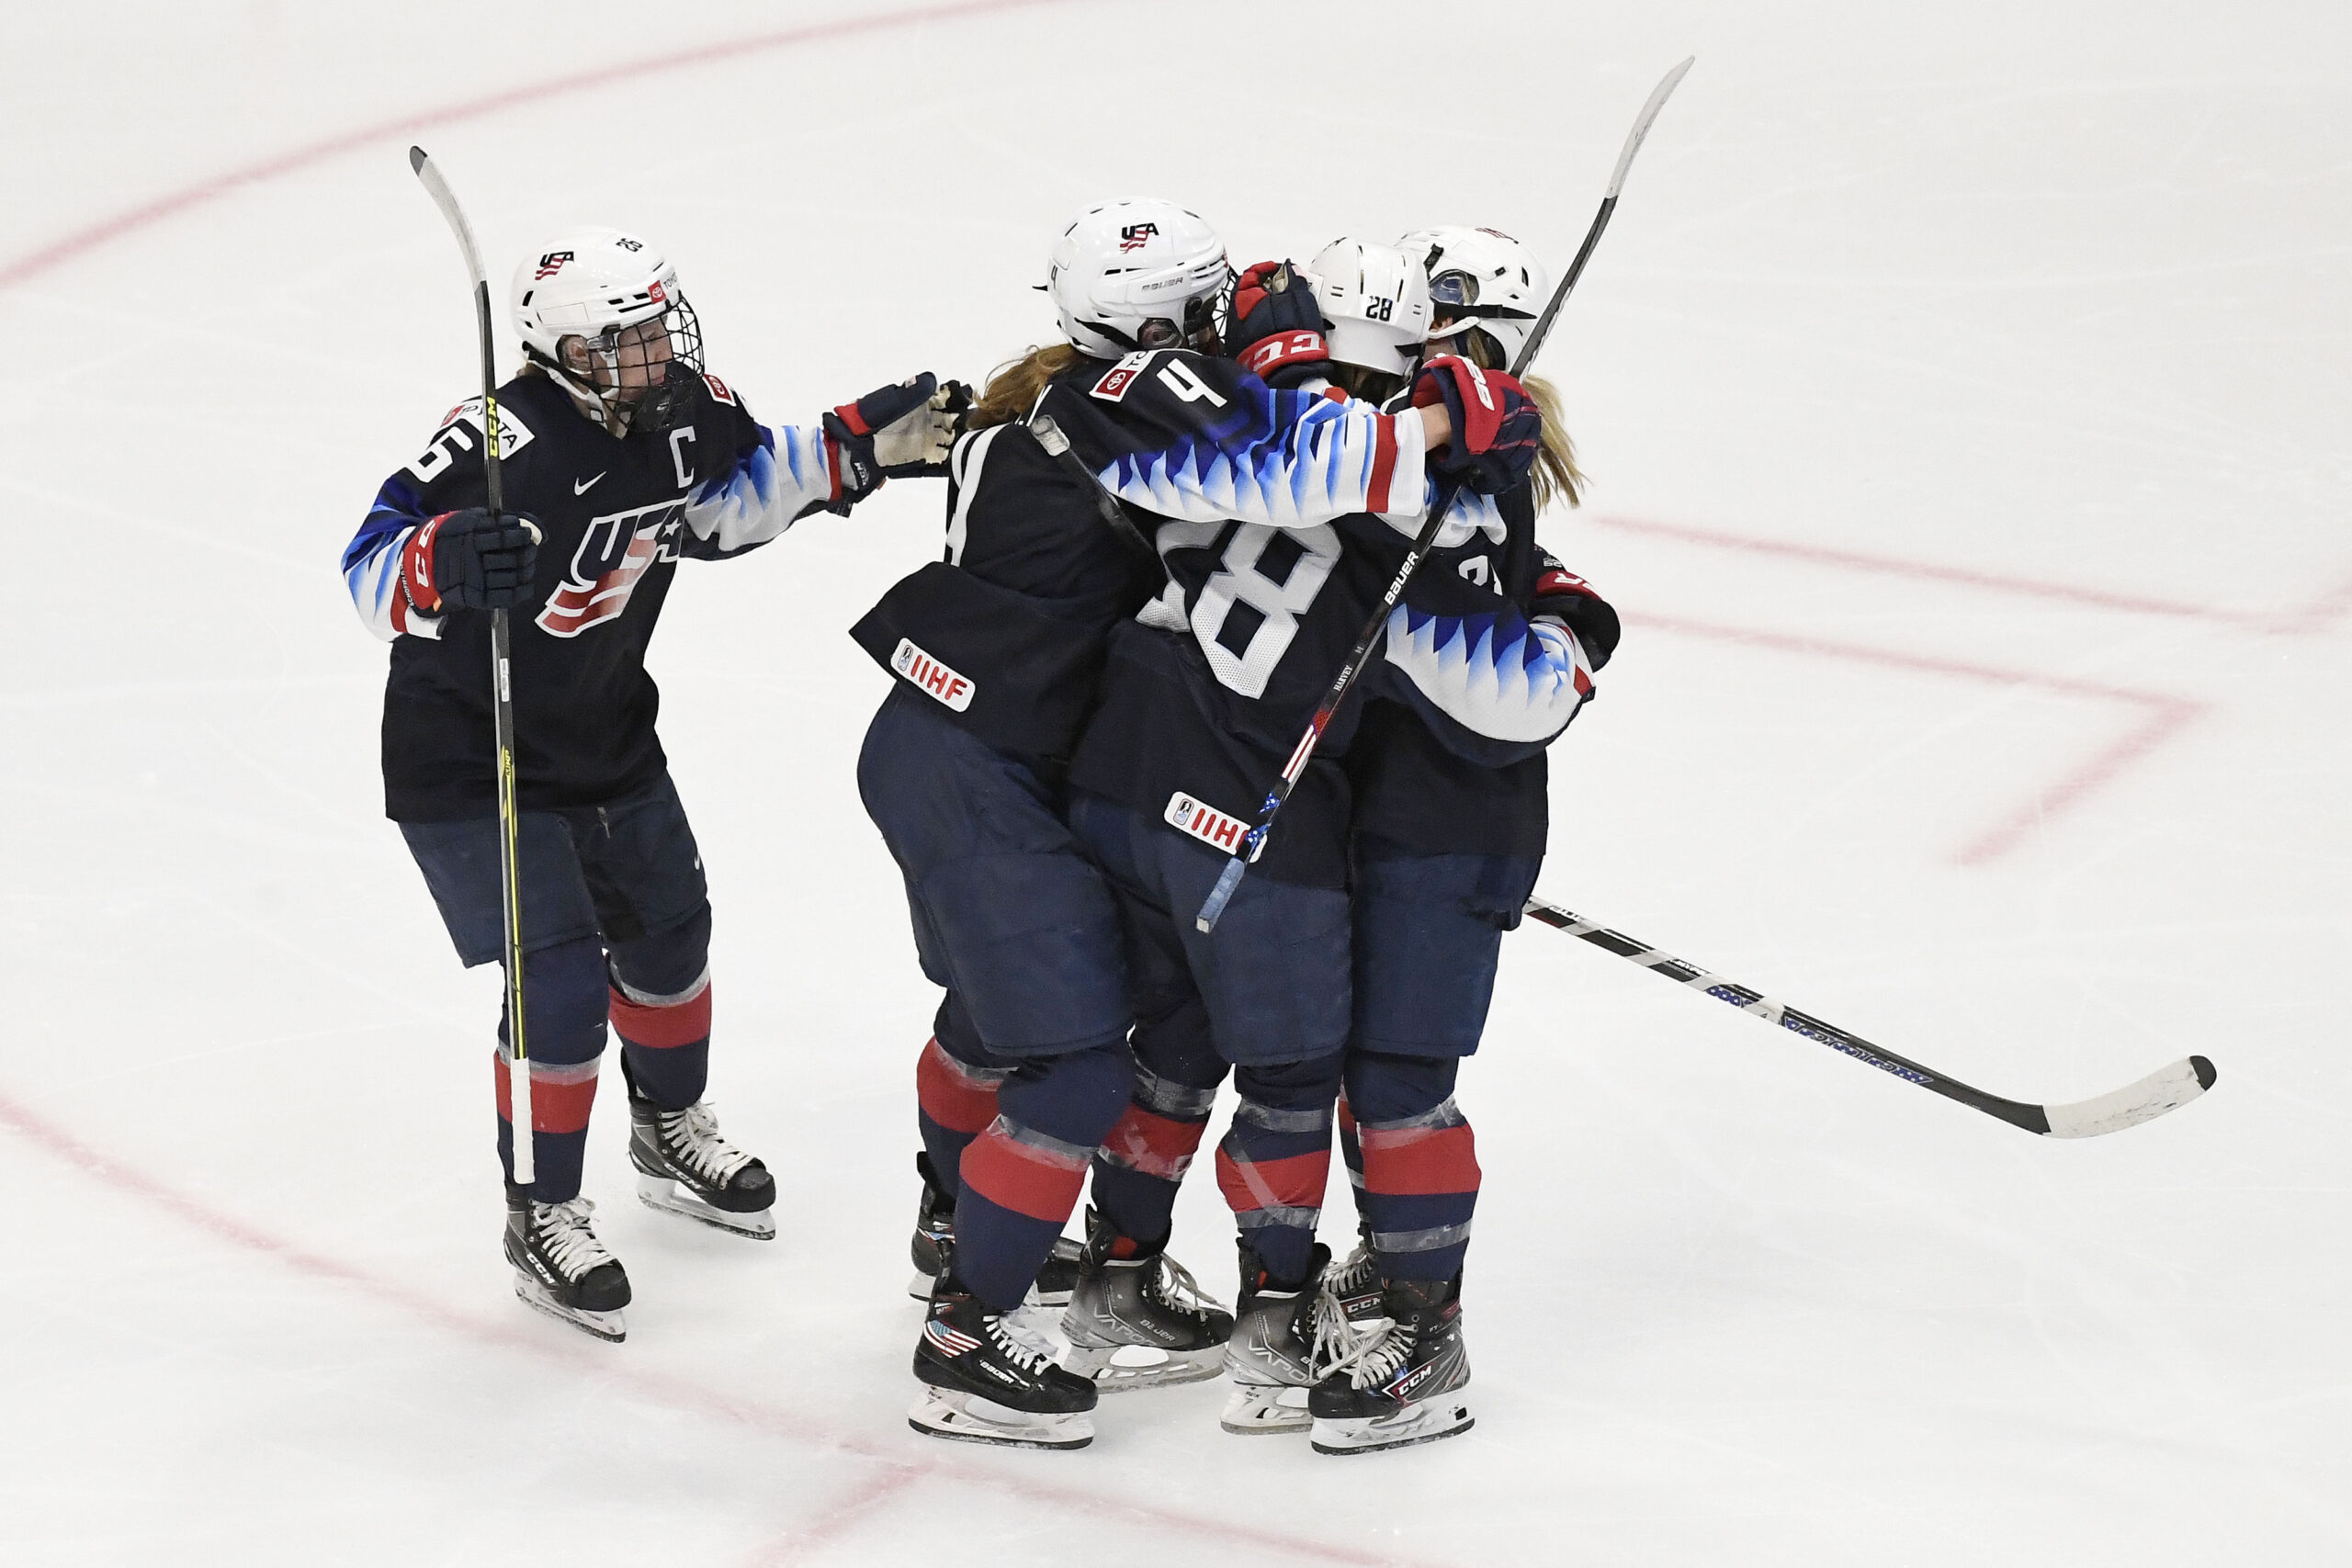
1378	1354
1176	1289
1338	1338
692	1135
1022	1349
564	1236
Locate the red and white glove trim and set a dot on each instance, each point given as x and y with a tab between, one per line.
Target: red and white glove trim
1302	347
416	567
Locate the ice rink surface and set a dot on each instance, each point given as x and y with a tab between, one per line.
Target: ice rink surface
1966	390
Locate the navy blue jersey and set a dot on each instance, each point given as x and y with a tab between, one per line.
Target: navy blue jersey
1208	692
1007	631
618	514
1417	793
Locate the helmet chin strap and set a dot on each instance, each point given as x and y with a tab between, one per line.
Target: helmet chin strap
604	408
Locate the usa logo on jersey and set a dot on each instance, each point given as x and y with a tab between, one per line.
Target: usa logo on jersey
614	553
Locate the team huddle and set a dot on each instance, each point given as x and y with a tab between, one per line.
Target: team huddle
1165	533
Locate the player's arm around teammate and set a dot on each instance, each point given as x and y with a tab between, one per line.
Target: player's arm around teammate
620	454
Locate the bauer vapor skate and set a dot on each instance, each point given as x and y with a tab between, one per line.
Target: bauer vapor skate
986	1380
560	1268
1140	1322
684	1166
1403	1383
1285	1337
935	1229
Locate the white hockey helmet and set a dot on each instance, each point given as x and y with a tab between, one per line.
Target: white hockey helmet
1375	304
1131	274
600	285
1483	280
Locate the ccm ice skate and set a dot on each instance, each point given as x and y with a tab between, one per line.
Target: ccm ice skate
1140	1322
987	1380
684	1166
1402	1383
560	1268
936	1230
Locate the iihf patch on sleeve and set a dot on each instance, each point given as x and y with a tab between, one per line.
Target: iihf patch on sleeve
718	389
930	677
1210	825
1120	376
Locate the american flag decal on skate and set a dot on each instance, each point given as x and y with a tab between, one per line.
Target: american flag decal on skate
950	1341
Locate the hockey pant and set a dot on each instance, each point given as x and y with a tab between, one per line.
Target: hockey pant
1428	937
1264	995
1027	1067
616	927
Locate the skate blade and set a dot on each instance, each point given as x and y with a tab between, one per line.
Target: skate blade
1253	1408
1443	1415
1118	1368
662	1193
606	1325
968	1418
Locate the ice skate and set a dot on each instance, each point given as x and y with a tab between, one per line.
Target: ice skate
684	1166
986	1381
1402	1385
1282	1339
1140	1322
560	1268
935	1228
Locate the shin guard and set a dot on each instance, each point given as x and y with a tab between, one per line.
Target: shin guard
1275	1159
1421	1163
1021	1177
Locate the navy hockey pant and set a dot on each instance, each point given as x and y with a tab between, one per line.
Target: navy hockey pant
1028	1066
1428	937
1265	993
615	926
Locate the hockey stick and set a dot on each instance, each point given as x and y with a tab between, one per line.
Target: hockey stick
2167	1089
1254	840
510	880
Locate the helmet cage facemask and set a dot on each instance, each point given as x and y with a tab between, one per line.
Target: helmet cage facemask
656	405
1197	330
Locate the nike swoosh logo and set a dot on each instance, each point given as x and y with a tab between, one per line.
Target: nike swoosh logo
578	488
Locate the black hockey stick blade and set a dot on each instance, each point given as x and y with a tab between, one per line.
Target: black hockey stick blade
2168	1088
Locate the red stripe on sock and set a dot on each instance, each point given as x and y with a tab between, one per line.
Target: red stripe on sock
1419	1161
658	1029
948	1095
1296	1183
1020	1178
555	1107
1155	1144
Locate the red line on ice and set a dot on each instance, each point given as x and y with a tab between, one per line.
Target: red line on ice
2316	617
609	1366
2164	716
70	247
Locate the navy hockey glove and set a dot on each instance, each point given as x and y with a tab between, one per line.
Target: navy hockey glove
1569	598
1277	331
471	560
898	431
1497	430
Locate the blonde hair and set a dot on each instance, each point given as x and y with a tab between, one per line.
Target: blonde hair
1013	385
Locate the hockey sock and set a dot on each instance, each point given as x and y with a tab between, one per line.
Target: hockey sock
660	1009
1421	1163
1276	1158
1145	1156
955	1089
1351	1152
563	1013
1020	1178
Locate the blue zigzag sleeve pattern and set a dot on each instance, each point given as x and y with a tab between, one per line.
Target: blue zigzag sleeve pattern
372	564
1490	678
772	486
1285	460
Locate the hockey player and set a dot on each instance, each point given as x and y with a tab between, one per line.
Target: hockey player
1445	852
1205	694
998	648
620	454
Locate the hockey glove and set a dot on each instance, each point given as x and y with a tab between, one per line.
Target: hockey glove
1569	598
893	432
1497	430
470	561
1277	332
